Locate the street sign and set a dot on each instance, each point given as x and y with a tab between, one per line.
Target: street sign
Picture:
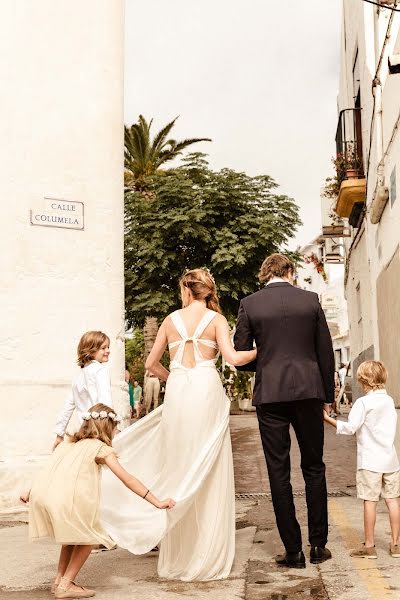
63	214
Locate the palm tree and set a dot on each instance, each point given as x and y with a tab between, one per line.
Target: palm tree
144	156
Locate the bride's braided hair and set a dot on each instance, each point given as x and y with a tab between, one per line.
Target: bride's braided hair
202	285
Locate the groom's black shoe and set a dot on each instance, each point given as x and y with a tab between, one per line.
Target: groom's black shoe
294	560
319	555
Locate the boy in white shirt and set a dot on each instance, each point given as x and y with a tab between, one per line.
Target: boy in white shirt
373	418
92	385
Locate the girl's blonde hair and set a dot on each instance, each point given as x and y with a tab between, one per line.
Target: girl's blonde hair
89	344
202	285
96	429
372	374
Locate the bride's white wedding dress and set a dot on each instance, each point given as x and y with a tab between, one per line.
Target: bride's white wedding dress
181	450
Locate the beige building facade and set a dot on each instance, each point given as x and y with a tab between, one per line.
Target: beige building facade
368	162
62	195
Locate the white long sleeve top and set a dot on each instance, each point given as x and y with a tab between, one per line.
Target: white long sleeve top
91	386
373	419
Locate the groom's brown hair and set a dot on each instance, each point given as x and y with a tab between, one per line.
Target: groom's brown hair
275	265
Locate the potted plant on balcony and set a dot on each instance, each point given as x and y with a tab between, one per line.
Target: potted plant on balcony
352	163
348	165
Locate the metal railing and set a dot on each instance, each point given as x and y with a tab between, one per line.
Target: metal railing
349	155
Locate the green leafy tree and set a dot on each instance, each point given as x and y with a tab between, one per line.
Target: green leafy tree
134	355
196	217
144	156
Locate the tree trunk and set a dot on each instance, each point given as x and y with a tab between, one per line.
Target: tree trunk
150	330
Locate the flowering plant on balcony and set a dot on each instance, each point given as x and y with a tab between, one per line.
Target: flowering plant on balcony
348	165
318	264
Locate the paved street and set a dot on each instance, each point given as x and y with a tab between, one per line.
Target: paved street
26	571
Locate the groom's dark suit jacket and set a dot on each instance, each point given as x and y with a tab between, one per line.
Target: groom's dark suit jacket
294	347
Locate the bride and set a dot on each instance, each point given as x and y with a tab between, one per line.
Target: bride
183	448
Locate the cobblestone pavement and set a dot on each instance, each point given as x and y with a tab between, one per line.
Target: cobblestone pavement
250	469
26	571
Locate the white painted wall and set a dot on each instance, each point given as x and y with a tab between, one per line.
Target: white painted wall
371	247
62	136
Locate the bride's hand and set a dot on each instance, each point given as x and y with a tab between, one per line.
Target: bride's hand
168	503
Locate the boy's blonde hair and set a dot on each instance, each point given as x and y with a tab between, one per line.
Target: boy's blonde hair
89	344
372	374
97	429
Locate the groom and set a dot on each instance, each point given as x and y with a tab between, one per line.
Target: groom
294	377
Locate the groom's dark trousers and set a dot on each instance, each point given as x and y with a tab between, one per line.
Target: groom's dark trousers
294	376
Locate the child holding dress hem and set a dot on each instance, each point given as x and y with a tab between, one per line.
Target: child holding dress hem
65	497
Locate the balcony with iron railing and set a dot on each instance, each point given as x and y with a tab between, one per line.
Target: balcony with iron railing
350	181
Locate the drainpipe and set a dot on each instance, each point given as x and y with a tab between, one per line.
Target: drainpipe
381	193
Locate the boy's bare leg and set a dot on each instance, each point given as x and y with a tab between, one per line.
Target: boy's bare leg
369	522
393	505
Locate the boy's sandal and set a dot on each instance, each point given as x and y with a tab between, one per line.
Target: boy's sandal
364	552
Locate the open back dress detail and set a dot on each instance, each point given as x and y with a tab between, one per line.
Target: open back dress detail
181	450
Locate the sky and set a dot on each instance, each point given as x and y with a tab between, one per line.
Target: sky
259	78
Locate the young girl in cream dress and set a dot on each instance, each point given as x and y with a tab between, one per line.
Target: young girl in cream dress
65	497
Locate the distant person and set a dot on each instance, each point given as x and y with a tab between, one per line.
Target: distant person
151	391
373	419
137	397
65	497
343	373
92	384
337	393
130	390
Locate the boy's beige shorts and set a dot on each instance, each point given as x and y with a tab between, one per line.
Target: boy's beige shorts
372	486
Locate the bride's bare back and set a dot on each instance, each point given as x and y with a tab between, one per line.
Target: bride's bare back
191	317
213	338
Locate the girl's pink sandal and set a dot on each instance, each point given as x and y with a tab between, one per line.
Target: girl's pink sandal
62	591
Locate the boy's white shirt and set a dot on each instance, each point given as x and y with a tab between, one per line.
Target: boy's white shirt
373	418
91	386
